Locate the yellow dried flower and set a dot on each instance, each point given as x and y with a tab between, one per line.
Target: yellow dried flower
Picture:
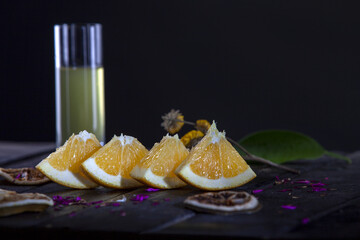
173	121
191	138
202	125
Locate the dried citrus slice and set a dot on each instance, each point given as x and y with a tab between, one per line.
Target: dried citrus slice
111	165
223	202
63	165
12	202
156	168
214	164
23	176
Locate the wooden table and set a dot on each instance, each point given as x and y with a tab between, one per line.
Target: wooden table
334	213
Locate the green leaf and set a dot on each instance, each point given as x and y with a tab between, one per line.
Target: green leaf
282	146
338	156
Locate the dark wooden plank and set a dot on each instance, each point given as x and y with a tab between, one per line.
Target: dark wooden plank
341	224
12	151
161	209
53	189
273	221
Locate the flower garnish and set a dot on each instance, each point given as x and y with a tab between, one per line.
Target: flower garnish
290	207
202	125
191	138
173	121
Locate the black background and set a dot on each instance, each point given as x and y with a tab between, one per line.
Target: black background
249	65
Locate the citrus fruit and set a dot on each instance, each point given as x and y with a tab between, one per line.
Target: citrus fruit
63	165
214	164
156	168
111	165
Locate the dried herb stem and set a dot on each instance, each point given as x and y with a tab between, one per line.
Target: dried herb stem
186	122
250	156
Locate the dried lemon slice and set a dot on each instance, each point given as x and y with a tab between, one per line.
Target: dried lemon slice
23	176
13	203
223	202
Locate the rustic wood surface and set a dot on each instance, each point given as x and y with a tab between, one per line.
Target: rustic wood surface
334	213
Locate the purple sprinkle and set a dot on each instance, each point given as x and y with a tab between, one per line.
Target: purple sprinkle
18	176
152	189
290	207
303	181
96	202
78	199
140	198
257	191
326	178
277	178
57	198
305	220
319	189
285	190
318	184
116	204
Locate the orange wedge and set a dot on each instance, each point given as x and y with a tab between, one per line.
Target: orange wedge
214	164
63	165
156	169
111	165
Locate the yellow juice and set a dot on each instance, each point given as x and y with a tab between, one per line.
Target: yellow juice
79	102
